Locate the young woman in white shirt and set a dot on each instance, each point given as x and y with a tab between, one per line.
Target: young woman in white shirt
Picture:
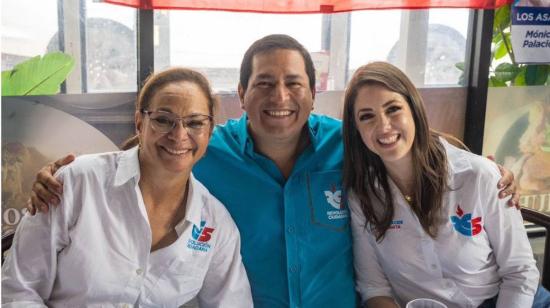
134	227
426	219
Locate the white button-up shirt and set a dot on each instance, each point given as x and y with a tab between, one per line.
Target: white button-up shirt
481	249
95	248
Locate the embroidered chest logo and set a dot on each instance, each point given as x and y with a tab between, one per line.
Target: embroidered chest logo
465	224
200	237
334	198
396	224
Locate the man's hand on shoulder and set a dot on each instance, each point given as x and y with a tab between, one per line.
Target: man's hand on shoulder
507	185
46	189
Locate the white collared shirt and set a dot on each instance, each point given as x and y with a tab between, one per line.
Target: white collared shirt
485	251
94	249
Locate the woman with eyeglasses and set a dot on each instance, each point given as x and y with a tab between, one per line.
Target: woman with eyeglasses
426	220
136	228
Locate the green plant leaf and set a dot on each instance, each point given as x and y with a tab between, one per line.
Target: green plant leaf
497	37
506	71
495	82
5	76
502	18
38	75
500	50
508	40
536	75
520	77
460	66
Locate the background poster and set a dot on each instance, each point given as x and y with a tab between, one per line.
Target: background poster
531	31
517	132
35	133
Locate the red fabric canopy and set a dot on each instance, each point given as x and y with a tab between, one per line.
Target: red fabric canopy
307	6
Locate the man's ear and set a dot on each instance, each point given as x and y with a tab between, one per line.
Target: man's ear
241	91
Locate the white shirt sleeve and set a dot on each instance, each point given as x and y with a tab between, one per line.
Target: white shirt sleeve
226	283
30	268
508	238
370	279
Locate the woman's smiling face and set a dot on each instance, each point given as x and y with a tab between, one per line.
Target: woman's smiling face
176	150
385	122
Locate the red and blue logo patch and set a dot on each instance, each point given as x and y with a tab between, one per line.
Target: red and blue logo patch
200	237
202	234
465	224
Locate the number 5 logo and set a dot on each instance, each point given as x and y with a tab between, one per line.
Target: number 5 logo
476	225
206	234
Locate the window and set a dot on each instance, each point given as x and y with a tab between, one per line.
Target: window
100	37
214	42
426	44
27	29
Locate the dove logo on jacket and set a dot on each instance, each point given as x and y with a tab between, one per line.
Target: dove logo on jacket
465	224
334	199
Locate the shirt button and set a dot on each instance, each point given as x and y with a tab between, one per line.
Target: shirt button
290	229
139	271
448	284
293	269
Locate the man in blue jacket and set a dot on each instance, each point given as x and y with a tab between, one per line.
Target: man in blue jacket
283	183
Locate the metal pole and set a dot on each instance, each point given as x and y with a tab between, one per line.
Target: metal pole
478	79
145	45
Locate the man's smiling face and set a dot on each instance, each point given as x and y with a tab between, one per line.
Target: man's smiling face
278	99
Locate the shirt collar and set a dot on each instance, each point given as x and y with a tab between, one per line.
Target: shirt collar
193	208
195	201
457	160
314	124
247	143
242	131
128	166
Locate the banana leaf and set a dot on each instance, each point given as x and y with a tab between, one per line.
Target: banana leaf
38	75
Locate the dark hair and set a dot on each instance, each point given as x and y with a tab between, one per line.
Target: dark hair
364	171
157	81
270	43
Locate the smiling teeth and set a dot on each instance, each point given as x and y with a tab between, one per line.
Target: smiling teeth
279	113
176	152
388	140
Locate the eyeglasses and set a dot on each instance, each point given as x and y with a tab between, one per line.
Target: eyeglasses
164	122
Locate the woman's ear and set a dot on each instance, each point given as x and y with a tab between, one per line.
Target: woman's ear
138	118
